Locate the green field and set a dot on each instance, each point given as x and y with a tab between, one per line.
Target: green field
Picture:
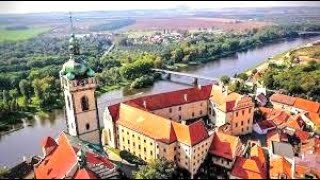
20	35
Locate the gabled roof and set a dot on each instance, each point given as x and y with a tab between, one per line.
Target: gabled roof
302	135
275	136
174	98
230	101
307	105
225	145
190	134
280	166
314	117
283	99
151	125
49	142
257	153
57	163
280	118
248	169
84	173
295	122
266	124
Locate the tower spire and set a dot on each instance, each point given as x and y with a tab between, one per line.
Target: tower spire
71	23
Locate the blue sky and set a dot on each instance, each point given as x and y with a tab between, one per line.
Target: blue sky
66	6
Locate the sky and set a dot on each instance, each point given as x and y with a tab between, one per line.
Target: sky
21	7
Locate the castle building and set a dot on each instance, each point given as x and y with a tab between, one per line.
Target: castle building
79	85
171	125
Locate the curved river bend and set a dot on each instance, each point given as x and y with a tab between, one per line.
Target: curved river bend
26	142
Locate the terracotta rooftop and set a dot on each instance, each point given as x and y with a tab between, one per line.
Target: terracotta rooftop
57	163
295	122
247	169
275	136
174	98
190	134
280	166
257	153
311	161
63	158
302	135
302	170
224	145
314	117
266	124
307	105
283	99
151	125
229	101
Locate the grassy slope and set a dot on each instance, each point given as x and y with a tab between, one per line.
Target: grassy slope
20	35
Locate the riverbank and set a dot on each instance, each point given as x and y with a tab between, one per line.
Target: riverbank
278	59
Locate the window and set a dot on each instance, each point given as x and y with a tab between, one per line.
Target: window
247	128
87	126
200	112
151	153
179	117
134	144
170	110
138	137
236	114
122	130
236	124
139	147
242	112
180	108
164	150
128	141
133	135
151	144
193	114
248	121
242	129
123	139
145	149
186	157
144	141
241	123
69	104
210	111
175	148
85	103
128	133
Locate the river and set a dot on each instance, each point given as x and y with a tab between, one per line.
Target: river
27	141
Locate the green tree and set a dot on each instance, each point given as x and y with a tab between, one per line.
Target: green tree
225	79
158	169
5	97
14	96
243	76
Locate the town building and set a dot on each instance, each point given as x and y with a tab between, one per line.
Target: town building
224	150
254	167
64	160
233	108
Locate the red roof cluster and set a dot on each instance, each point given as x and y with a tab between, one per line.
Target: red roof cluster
59	162
225	145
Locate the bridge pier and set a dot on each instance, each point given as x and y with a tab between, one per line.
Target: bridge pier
195	81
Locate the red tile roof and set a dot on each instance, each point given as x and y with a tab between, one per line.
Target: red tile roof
49	142
314	117
174	98
84	174
151	125
224	145
266	124
59	162
302	135
280	118
275	135
280	166
257	153
190	134
114	111
307	105
283	99
248	169
295	122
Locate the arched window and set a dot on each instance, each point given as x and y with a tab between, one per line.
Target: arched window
85	103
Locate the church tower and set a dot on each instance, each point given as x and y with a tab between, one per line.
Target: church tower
79	84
